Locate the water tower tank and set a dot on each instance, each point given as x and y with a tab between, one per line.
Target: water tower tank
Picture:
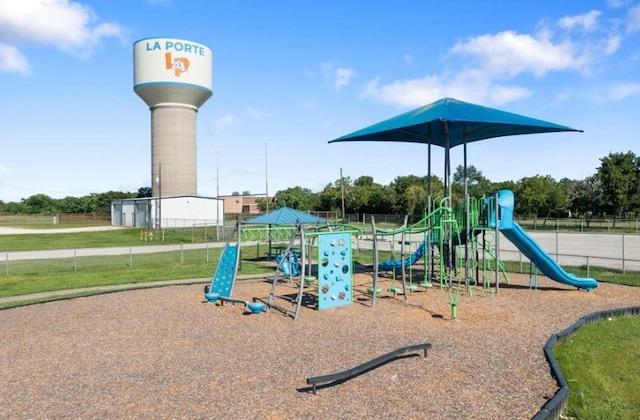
174	77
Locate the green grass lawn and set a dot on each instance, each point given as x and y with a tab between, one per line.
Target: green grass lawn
601	364
109	238
29	276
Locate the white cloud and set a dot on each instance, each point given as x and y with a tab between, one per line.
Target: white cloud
633	19
563	96
507	54
326	69
586	21
473	86
343	77
612	44
223	122
617	4
67	25
408	58
621	91
257	114
489	68
12	60
337	76
503	94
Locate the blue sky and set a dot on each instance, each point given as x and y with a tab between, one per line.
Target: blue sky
289	75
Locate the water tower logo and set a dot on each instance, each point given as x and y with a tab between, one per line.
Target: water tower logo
179	65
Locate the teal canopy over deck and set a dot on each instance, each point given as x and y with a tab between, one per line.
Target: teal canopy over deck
285	216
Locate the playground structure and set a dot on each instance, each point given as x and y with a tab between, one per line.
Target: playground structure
333	270
530	248
442	236
459	249
448	123
296	268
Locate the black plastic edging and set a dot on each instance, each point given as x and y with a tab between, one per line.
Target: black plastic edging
552	409
371	364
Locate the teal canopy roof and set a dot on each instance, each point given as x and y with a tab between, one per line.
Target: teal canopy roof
285	216
449	123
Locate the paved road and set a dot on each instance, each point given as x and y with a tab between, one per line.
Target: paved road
607	250
91	252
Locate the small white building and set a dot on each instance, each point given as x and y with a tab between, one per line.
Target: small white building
167	212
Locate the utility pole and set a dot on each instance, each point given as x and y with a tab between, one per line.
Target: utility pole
217	176
266	176
160	196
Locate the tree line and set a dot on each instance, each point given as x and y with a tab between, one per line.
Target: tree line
612	191
42	204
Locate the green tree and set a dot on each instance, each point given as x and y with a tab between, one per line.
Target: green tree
71	205
370	197
330	198
15	208
297	198
477	184
619	176
585	196
101	202
39	204
144	192
414	198
540	196
502	185
406	201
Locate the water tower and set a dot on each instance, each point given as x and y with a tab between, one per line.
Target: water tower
174	77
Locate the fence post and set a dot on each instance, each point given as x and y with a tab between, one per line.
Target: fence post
7	259
623	270
208	251
520	258
75	261
130	257
181	254
588	275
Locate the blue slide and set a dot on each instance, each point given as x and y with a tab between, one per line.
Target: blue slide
532	250
290	264
410	260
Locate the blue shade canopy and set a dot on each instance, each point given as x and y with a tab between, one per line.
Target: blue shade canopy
449	123
285	216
